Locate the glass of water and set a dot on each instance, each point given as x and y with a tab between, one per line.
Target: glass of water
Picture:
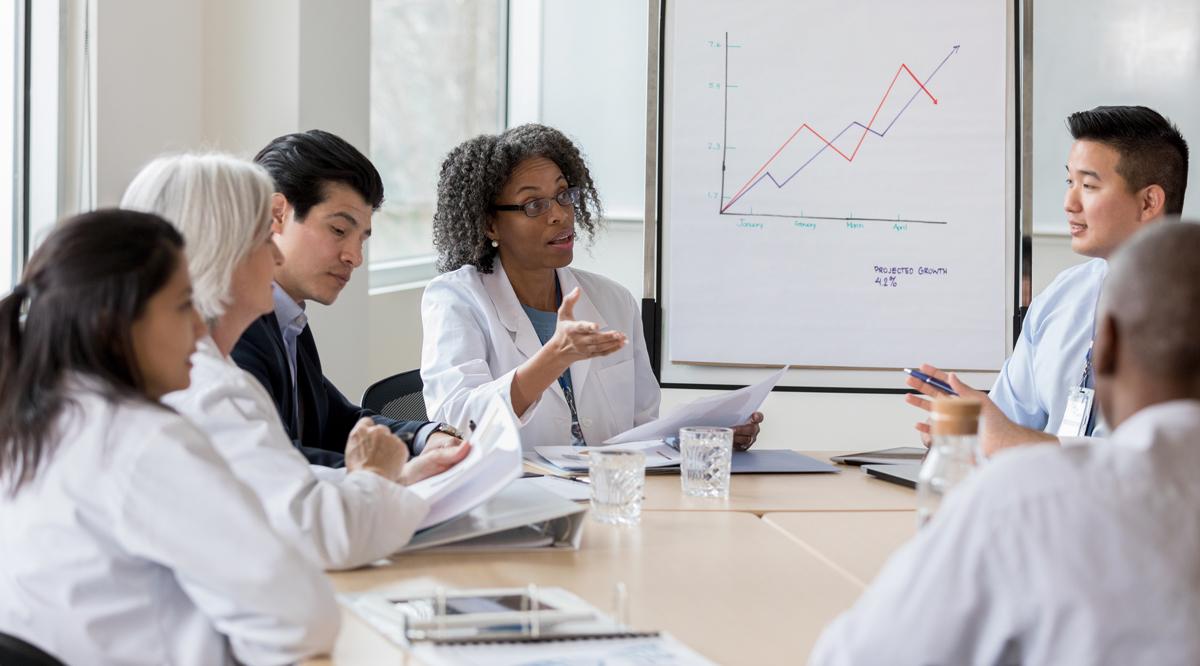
706	453
618	479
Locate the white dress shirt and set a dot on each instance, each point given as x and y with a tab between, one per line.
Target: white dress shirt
135	544
1049	555
476	334
292	320
340	520
1049	358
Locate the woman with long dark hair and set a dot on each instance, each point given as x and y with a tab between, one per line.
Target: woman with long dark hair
126	538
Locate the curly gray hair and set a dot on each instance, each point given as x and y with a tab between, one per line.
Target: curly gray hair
473	175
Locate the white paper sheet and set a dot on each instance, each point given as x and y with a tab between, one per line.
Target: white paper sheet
728	410
576	491
575	458
493	463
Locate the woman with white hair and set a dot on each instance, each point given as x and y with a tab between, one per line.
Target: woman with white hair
340	518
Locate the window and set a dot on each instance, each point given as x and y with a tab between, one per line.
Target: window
11	58
44	126
437	78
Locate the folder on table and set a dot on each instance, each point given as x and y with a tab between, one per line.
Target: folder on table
569	461
521	516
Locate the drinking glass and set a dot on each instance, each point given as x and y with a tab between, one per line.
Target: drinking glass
706	453
618	479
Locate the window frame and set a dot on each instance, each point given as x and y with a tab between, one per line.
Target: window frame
18	230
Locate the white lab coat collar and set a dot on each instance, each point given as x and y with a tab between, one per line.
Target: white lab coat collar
508	310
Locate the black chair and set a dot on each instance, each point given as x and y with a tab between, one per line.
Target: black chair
16	652
397	397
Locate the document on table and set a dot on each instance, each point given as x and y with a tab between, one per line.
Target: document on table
487	628
493	463
727	410
661	650
576	491
575	458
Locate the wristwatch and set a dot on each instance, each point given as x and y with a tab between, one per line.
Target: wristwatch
448	429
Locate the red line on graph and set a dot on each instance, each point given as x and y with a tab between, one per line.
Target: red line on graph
849	158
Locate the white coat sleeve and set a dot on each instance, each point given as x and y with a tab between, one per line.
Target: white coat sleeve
183	509
647	394
339	520
458	383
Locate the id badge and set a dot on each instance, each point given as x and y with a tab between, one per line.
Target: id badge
1079	408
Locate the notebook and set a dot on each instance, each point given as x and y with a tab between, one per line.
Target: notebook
512	627
904	474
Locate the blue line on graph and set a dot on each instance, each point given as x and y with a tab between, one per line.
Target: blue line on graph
824	146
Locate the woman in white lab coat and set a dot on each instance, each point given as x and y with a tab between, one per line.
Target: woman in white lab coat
340	518
126	537
510	318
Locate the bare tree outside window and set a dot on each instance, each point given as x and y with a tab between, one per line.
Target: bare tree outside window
437	78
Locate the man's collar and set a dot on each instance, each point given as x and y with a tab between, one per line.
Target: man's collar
286	310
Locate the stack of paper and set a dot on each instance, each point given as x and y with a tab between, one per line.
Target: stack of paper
493	463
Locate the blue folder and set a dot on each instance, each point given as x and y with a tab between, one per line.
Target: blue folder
777	461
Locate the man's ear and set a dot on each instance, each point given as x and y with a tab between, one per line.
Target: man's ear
280	211
1153	201
1104	348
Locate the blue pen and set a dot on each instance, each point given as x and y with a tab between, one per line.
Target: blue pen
917	374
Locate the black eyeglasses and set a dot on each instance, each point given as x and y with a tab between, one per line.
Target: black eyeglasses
538	207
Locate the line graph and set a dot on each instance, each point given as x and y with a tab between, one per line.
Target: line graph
763	174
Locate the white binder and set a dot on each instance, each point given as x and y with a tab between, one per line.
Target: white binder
519	517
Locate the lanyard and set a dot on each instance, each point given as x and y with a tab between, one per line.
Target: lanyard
1088	380
569	393
567	389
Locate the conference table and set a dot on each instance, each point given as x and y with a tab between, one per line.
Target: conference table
752	579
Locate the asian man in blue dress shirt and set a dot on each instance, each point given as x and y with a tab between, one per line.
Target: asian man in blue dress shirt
1127	168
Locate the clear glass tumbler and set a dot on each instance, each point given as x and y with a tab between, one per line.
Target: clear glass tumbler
706	453
618	479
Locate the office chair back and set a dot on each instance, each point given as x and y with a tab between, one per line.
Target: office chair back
397	397
16	652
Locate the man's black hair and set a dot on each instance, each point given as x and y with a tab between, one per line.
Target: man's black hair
303	163
1152	150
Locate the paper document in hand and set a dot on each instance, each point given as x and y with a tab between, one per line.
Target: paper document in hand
575	458
728	410
493	463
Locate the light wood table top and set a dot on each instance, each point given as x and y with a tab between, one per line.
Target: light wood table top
727	584
850	489
858	543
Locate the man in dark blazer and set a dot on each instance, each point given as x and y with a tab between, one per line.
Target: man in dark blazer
326	193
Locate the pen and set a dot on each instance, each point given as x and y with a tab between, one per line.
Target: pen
917	374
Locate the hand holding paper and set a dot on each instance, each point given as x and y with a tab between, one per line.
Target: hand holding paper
731	409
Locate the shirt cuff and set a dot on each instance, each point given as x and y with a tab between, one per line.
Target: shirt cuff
422	436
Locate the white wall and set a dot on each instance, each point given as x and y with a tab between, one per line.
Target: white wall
149	65
251	73
176	75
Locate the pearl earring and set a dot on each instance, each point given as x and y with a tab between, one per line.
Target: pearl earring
495	243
